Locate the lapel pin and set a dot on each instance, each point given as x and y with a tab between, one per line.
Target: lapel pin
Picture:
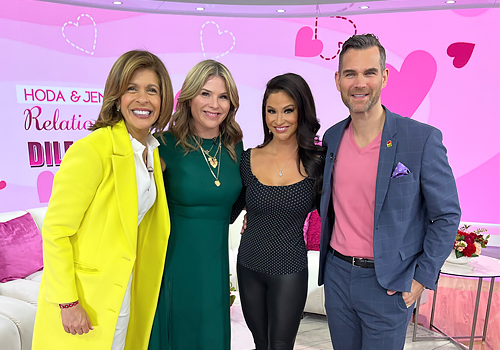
389	144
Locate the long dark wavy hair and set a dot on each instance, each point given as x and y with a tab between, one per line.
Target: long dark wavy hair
310	152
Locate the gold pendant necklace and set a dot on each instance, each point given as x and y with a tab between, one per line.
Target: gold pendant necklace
212	161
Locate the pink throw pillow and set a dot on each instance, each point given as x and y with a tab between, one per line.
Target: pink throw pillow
20	248
314	231
306	227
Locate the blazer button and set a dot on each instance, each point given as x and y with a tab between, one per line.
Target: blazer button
331	156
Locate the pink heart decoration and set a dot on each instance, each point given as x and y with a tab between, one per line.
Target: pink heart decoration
406	89
461	53
305	45
334	50
3	184
44	186
470	12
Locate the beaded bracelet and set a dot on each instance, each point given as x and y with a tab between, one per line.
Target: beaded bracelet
66	306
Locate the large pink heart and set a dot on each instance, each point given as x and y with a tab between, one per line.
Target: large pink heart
461	53
406	89
3	184
305	45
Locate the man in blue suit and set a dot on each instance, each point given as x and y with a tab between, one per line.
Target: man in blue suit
389	209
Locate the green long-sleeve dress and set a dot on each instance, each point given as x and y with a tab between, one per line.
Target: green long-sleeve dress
193	306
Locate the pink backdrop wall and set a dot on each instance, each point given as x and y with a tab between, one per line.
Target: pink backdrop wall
443	66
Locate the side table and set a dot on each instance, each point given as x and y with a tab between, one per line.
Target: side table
480	267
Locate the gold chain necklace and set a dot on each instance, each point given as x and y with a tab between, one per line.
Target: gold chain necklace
212	160
217	163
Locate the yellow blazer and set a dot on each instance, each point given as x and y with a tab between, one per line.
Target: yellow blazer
91	245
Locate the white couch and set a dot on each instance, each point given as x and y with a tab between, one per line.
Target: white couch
18	299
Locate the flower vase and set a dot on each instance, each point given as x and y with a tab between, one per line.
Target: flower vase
452	259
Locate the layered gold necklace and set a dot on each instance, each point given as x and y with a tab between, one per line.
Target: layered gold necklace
212	161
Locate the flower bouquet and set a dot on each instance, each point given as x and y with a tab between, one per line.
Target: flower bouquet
468	244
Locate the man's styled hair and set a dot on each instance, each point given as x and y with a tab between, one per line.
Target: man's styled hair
361	42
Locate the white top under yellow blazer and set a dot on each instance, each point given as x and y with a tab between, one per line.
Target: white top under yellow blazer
92	244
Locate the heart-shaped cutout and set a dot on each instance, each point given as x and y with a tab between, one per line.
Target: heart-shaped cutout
305	45
338	48
82	35
3	184
461	53
218	40
406	89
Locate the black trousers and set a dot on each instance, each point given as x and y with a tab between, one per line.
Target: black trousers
272	306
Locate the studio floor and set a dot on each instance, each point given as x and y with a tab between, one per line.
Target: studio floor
313	335
454	313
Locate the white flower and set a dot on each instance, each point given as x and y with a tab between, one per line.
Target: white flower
460	245
478	248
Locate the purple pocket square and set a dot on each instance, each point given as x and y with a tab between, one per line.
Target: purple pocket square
401	170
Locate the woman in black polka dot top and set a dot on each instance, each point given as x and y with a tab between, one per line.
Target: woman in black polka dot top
281	180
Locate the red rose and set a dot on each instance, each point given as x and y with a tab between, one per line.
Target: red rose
469	250
469	240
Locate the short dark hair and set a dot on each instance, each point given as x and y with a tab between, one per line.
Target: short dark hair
117	83
360	42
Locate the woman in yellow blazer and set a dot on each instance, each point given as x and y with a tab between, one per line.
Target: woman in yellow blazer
106	230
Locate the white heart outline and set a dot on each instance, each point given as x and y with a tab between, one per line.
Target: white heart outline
76	24
220	33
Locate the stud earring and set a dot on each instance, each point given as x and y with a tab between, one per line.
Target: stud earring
118	109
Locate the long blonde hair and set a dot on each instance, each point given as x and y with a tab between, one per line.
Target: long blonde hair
181	124
117	83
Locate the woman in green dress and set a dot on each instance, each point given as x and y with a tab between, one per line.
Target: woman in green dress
200	159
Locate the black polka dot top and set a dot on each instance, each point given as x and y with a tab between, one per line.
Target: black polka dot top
273	241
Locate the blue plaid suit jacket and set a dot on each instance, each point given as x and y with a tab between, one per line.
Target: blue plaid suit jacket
416	215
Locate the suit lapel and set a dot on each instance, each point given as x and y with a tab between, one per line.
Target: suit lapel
333	146
125	182
333	143
388	147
